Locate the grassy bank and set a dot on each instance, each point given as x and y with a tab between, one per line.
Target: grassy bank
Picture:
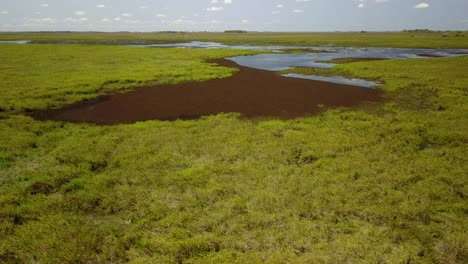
341	39
380	185
41	76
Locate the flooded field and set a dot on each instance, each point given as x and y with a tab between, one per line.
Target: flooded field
317	57
287	57
257	90
252	92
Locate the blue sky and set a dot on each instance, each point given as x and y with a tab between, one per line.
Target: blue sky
219	15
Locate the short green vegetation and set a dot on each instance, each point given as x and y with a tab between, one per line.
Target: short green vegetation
317	71
454	39
381	184
41	76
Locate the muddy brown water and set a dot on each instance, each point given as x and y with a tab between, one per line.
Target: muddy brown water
251	92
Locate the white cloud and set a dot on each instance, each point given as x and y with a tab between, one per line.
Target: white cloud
45	5
381	1
117	19
298	11
45	20
133	21
360	5
100	6
76	20
422	5
49	20
183	21
4	12
302	1
126	15
227	2
244	21
105	20
214	1
215	8
80	13
160	15
280	6
143	7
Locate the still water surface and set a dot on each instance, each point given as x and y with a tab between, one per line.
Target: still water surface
281	60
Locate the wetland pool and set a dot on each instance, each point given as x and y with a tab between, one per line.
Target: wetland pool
281	57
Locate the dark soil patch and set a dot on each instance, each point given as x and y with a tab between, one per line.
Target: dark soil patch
251	92
431	55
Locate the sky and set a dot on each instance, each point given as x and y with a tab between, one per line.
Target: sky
220	15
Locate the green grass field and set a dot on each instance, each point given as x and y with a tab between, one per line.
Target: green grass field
53	75
378	184
455	39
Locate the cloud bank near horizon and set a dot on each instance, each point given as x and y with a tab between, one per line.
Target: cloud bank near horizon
219	15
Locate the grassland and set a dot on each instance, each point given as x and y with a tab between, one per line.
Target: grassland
380	184
53	75
342	39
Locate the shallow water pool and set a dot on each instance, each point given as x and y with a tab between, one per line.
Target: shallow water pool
281	60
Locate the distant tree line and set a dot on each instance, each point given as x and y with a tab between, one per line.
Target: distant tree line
235	31
431	31
445	33
418	30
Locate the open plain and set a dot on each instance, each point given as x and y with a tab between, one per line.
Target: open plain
114	153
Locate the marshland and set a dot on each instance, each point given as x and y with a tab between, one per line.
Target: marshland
116	149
